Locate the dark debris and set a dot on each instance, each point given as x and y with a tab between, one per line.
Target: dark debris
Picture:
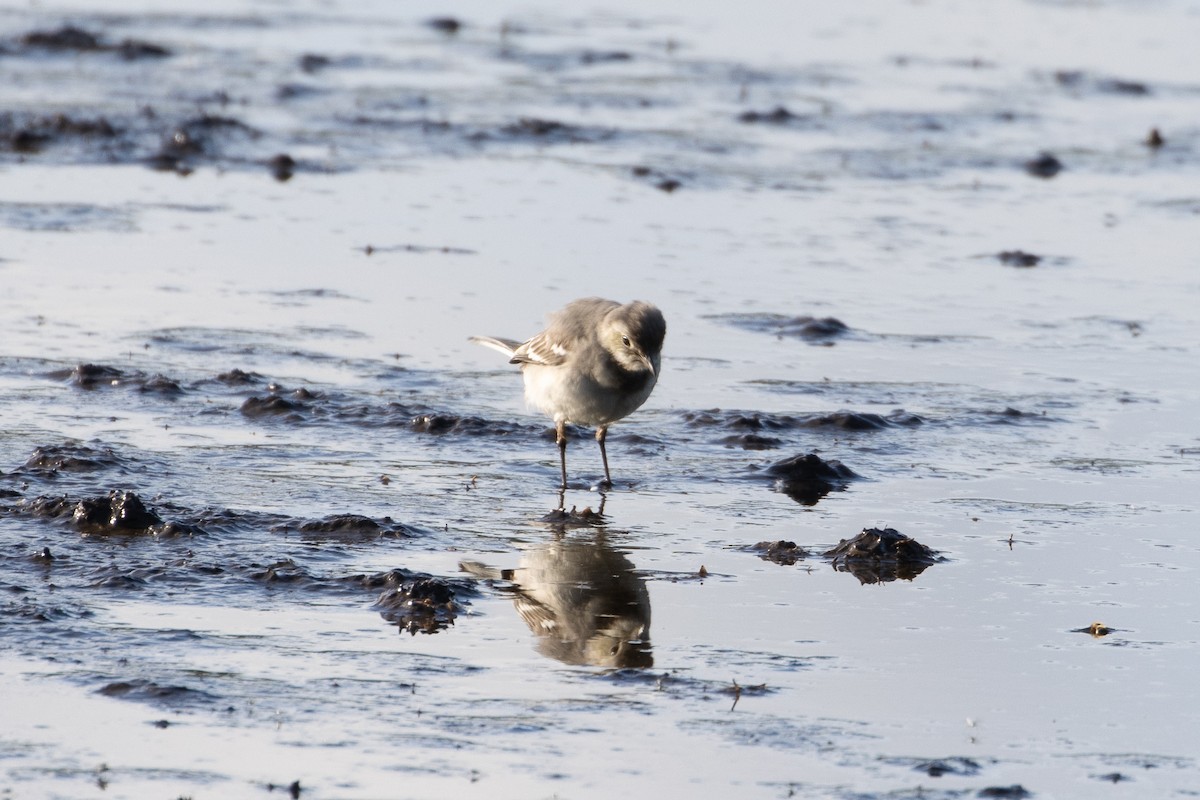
882	555
808	478
419	603
782	552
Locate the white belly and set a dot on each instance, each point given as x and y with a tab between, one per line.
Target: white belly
580	400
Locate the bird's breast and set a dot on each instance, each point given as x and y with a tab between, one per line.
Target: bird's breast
587	398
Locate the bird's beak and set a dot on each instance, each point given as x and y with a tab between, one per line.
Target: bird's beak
649	364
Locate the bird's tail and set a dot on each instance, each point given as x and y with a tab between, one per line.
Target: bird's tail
506	346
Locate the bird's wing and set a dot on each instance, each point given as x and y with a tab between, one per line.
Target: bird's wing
506	346
542	350
540	618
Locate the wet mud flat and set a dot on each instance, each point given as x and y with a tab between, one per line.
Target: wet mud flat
910	513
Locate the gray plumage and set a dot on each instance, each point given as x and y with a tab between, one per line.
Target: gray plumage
595	363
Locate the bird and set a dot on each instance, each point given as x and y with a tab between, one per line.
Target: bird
596	362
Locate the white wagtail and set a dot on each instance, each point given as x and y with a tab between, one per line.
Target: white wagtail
596	362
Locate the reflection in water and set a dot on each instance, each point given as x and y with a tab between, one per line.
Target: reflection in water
583	601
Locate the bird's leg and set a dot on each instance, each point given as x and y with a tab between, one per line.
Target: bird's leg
601	433
561	437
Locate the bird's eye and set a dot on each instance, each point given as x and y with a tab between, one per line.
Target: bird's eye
625	341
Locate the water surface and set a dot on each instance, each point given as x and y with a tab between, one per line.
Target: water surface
334	560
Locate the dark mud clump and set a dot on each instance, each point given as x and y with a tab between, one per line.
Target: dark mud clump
46	507
237	377
160	385
89	376
882	555
1018	258
811	328
293	789
96	376
353	526
660	180
1014	792
590	57
752	441
440	423
776	116
954	765
808	478
135	49
49	460
303	405
273	406
314	62
739	420
861	421
24	134
371	249
1014	416
1076	79
561	518
70	39
447	25
419	604
120	511
960	766
227	520
149	691
750	427
1044	166
196	138
22	139
283	573
544	61
66	38
1122	86
340	522
282	167
781	552
818	330
550	131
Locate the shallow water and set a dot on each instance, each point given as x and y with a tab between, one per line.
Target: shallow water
347	554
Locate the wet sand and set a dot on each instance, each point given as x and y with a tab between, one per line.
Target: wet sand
910	511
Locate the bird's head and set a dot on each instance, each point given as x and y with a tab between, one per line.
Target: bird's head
634	334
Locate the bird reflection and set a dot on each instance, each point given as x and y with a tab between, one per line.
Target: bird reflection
582	600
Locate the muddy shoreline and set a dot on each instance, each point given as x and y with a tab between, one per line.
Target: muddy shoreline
910	511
